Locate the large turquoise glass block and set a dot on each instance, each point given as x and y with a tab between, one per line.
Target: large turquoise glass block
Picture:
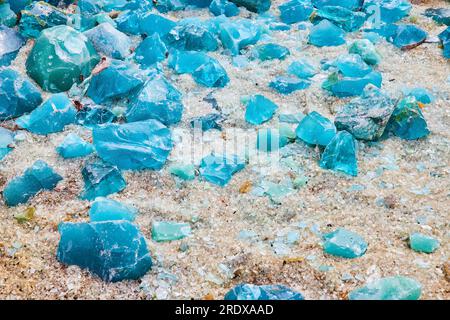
315	129
265	292
259	109
151	51
169	231
340	154
154	23
238	34
344	243
137	145
104	209
109	41
40	176
100	180
74	147
39	16
326	34
389	288
191	35
218	169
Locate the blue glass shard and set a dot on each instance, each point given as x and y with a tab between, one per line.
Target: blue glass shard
219	169
104	209
340	154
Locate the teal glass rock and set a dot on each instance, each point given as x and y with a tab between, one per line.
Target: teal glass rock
295	11
74	147
265	292
191	35
344	243
183	171
422	243
39	16
18	95
238	34
208	122
104	209
315	129
259	109
109	41
257	6
422	95
100	180
408	36
10	44
133	146
61	57
7	16
159	100
326	34
389	288
223	7
150	51
341	86
113	250
366	50
350	65
390	10
270	51
163	231
128	22
40	176
366	117
18	5
439	15
288	84
50	117
348	4
444	36
218	169
118	80
6	141
204	69
154	23
268	140
342	17
302	68
407	120
340	154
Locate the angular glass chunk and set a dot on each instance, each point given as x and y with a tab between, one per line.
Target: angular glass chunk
342	17
10	43
326	34
344	243
389	288
422	95
366	117
269	51
168	231
40	176
191	35
101	180
295	11
119	80
366	50
407	120
50	117
74	147
183	171
109	41
104	209
302	68
137	145
225	7
342	86
408	36
259	109
265	292
128	22
340	154
208	122
288	84
61	57
39	16
6	140
268	140
18	95
150	51
315	129
113	250
440	15
238	34
159	100
7	16
93	115
390	10
422	243
218	169
350	65
154	23
444	36
258	6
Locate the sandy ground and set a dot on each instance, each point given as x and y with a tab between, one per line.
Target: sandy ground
402	187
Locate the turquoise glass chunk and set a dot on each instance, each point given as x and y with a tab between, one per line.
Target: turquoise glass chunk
422	95
39	16
258	6
270	51
389	288
109	41
340	154
208	122
268	140
288	84
218	169
104	209
10	43
259	109
342	17
422	243
135	146
351	65
444	36
74	147
18	95
265	292
6	140
366	117
113	250
238	34
341	86
159	100
7	16
344	243
61	56
150	51
223	7
169	231
118	80
302	68
295	11
128	22
315	129
407	120
154	23
192	35
183	171
348	4
408	36
366	50
100	180
50	117
40	176
390	10
326	34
